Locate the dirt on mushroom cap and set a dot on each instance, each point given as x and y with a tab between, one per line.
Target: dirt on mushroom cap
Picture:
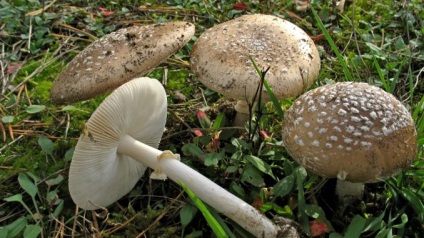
221	57
350	129
118	57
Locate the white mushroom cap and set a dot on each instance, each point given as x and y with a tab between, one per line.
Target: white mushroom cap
117	58
352	131
220	58
99	175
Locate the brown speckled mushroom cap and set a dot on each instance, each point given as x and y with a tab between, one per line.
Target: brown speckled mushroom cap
117	58
220	57
352	131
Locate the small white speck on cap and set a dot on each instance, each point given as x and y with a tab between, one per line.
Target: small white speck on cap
341	112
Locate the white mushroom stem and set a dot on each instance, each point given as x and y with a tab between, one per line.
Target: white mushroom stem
223	201
242	115
347	191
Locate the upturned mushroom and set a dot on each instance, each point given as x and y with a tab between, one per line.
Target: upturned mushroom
353	131
117	58
125	131
221	59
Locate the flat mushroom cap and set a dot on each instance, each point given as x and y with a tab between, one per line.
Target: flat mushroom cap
352	131
117	58
98	175
220	58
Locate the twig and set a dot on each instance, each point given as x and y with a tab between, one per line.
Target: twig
92	37
59	231
117	228
41	10
3	131
74	225
180	119
71	37
9	127
12	142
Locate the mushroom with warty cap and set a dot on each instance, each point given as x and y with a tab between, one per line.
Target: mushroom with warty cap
117	58
125	129
221	58
353	131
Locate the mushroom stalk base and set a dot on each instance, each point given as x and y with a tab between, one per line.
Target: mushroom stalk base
242	113
347	192
223	201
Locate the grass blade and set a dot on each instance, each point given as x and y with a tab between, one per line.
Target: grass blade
213	223
333	46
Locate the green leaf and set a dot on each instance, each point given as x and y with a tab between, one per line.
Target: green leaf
219	121
260	164
231	169
301	174
51	196
7	119
35	109
252	176
216	228
27	184
240	144
383	233
68	108
193	149
58	209
237	190
46	145
335	235
11	101
274	99
415	202
14	198
212	159
314	211
187	214
55	181
32	231
69	154
375	223
194	234
14	229
356	227
317	213
404	219
4	232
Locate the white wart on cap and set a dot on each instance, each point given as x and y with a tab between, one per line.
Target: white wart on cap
220	58
353	131
117	58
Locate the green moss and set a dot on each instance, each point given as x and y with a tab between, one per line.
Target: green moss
176	79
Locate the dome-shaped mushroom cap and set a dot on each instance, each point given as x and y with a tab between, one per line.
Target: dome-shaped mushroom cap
351	130
220	58
117	58
98	175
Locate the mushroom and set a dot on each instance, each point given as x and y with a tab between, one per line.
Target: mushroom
353	131
124	131
221	59
117	58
